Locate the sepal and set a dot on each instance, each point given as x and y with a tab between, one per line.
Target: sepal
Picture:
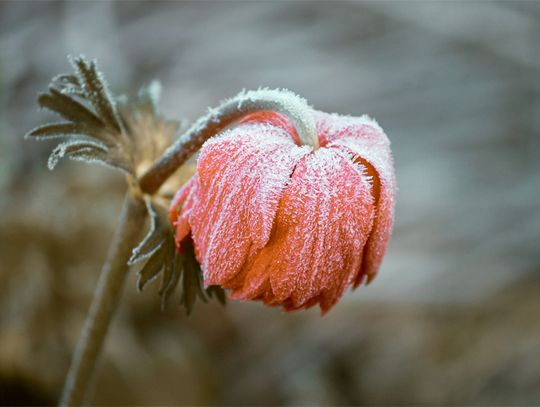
177	268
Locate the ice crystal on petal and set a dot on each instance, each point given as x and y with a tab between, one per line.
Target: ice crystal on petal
290	225
244	189
321	226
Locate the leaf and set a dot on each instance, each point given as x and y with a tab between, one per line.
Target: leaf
69	108
153	240
168	265
68	84
96	90
56	130
151	269
85	147
66	79
158	234
173	281
99	157
192	280
189	290
216	291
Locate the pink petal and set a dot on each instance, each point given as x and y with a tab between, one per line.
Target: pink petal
322	224
242	175
180	209
367	144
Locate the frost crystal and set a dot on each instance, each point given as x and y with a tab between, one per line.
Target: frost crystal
288	224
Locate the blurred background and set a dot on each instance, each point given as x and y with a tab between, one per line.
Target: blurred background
453	317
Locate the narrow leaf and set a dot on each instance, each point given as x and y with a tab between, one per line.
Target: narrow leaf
68	108
191	263
153	240
151	269
189	291
73	146
92	156
216	291
96	90
192	280
68	84
168	265
66	79
56	130
173	281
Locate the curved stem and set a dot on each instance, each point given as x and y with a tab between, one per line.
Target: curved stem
217	119
113	274
107	294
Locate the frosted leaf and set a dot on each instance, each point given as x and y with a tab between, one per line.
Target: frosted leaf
153	240
71	148
66	80
56	130
69	108
95	89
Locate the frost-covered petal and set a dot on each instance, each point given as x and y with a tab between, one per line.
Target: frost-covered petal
366	143
241	176
322	224
180	209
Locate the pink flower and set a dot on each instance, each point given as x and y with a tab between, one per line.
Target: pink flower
287	224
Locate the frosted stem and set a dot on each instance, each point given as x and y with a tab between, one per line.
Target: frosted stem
230	111
106	296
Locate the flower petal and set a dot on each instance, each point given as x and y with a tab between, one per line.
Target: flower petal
322	224
367	144
242	175
180	208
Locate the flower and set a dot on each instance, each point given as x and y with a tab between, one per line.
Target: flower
284	223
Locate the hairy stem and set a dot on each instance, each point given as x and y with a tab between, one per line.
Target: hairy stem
223	116
107	294
113	274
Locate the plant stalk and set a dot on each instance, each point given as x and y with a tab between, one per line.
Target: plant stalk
218	119
114	272
106	297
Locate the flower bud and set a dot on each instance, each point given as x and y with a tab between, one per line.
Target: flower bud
289	224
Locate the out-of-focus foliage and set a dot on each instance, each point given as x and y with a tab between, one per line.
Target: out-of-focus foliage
453	316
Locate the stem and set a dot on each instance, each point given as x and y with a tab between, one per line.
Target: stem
224	115
113	274
107	294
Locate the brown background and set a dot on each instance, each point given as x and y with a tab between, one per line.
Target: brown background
454	315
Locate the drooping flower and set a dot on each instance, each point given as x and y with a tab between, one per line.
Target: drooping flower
285	223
